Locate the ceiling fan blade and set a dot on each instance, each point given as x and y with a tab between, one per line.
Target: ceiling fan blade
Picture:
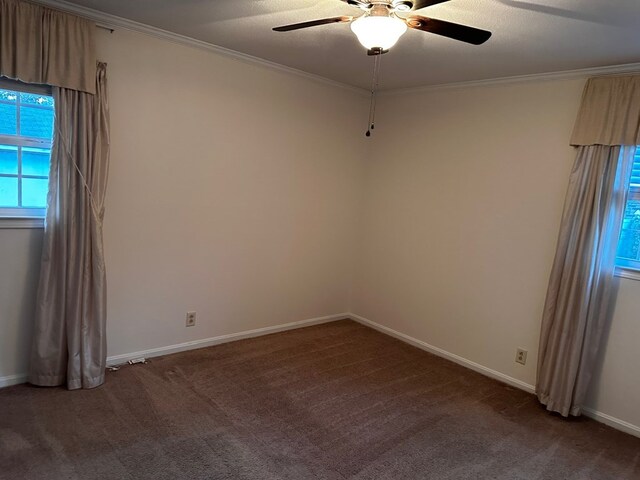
312	23
418	4
471	35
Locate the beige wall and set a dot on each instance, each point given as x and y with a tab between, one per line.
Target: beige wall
232	192
616	389
19	268
464	194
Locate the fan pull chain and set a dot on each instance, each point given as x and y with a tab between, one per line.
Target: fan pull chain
374	92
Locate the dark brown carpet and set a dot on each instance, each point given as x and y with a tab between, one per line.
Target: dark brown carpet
333	401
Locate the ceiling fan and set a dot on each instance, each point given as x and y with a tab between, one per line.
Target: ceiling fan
380	27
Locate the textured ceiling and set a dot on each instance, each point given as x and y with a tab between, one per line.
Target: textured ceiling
529	37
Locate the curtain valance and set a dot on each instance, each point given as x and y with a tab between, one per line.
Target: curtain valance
41	45
609	113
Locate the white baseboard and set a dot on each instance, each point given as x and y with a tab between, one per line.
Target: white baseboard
205	342
12	380
208	342
514	382
613	422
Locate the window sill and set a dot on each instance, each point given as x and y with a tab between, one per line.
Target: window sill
629	273
22	222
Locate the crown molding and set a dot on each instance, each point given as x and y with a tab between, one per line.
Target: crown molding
535	77
106	20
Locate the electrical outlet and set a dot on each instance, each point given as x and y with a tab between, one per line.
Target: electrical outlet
521	356
191	319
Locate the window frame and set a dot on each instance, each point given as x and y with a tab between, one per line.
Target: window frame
627	272
24	217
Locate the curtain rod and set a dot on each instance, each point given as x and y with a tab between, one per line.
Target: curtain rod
104	27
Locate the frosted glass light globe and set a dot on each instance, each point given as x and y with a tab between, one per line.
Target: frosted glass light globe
378	31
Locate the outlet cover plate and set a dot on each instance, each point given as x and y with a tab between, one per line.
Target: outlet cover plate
521	356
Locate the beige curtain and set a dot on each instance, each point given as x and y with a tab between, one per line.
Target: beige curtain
609	113
581	288
69	339
41	45
581	285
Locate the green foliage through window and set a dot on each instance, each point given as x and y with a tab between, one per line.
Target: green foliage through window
628	254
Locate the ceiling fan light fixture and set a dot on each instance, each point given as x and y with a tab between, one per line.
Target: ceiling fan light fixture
378	31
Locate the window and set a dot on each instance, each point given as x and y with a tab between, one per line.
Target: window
628	255
26	130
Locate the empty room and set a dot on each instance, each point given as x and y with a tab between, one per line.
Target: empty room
319	239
